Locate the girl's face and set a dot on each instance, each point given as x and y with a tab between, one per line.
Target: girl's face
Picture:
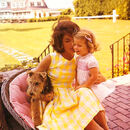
80	46
68	44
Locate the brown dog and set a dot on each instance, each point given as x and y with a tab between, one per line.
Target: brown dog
40	92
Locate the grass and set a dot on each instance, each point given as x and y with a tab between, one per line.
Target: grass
32	38
6	59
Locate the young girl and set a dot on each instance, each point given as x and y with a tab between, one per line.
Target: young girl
87	65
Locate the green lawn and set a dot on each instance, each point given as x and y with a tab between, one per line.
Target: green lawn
7	59
32	38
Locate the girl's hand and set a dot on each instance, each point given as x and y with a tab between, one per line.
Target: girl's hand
75	84
100	79
77	87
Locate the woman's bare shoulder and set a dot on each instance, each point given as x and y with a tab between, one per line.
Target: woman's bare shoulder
44	64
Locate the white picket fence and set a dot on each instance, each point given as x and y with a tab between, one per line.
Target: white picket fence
100	16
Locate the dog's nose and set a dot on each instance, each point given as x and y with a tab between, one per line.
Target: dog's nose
31	93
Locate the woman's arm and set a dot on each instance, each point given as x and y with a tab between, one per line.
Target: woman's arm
44	64
91	80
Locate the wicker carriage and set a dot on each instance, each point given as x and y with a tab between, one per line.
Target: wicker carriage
6	101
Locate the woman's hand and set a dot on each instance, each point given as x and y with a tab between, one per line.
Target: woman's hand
100	79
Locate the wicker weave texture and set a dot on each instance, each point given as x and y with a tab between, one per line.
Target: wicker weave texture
6	101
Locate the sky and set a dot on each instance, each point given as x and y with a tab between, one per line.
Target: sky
58	4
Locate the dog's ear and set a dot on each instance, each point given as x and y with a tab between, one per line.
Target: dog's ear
43	75
30	73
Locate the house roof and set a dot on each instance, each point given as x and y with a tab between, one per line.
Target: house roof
43	6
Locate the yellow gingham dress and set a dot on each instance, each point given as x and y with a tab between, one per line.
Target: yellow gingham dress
70	110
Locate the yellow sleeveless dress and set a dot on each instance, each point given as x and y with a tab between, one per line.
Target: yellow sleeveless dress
70	110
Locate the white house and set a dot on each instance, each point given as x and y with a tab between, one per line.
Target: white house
21	10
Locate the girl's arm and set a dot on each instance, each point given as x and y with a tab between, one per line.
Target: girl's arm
44	64
91	80
76	82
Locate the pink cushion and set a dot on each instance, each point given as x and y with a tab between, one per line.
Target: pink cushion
18	98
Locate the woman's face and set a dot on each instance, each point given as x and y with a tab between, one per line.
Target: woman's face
68	44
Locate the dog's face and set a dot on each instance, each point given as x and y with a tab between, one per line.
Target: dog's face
36	82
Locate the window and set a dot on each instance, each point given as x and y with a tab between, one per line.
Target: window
8	4
14	5
32	4
38	3
3	5
35	3
22	4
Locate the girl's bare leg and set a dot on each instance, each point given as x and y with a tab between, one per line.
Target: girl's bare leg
101	120
93	126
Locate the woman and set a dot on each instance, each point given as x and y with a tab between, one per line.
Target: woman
70	109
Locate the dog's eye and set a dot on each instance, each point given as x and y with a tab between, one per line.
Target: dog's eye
30	82
36	83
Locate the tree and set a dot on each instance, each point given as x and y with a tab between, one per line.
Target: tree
68	11
87	7
107	6
123	9
102	7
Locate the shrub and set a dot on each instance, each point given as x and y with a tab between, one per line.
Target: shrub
118	68
49	18
64	17
24	65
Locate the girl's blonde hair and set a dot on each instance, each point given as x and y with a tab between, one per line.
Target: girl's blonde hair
89	38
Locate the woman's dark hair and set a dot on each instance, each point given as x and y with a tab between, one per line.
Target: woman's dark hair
62	28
